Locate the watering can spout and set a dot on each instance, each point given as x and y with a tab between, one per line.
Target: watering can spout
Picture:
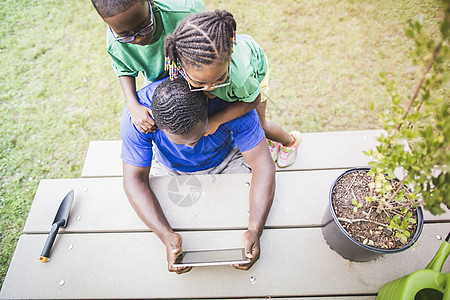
441	255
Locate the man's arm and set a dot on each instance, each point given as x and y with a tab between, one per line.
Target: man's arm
137	188
262	191
140	114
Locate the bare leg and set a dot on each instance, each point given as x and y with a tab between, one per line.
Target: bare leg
273	131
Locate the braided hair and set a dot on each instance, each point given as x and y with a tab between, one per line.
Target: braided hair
176	108
111	8
205	38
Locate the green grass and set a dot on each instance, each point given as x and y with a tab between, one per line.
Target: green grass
58	91
325	56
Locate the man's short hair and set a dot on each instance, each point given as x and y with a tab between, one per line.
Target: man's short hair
176	108
111	8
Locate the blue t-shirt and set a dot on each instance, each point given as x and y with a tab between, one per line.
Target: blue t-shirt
137	148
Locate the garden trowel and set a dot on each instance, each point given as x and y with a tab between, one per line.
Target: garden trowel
60	221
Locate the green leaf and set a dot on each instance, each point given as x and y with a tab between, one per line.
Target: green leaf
404	224
370	199
401	236
412	221
369	152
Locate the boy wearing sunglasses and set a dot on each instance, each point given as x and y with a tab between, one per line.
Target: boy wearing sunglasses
135	43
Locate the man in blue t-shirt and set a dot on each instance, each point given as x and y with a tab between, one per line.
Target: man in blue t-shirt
180	147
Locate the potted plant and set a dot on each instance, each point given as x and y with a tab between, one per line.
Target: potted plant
372	211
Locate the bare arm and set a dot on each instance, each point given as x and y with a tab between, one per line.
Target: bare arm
231	112
262	191
141	197
140	114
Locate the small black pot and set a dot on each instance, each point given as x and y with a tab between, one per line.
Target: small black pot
340	241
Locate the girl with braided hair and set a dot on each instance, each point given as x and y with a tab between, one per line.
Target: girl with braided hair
207	52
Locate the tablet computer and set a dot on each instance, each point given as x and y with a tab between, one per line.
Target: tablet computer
211	258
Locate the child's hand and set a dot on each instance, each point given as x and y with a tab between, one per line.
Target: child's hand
213	124
174	249
252	249
141	117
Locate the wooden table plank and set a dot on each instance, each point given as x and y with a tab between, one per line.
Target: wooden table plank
334	150
132	265
100	204
318	150
103	159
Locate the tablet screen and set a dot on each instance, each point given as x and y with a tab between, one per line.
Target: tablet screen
211	258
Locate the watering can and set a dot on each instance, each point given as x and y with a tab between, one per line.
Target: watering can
426	284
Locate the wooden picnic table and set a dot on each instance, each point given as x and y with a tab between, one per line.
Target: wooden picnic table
106	252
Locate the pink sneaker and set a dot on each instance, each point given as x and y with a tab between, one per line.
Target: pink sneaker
274	149
287	155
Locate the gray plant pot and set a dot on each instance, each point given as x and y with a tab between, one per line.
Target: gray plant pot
340	241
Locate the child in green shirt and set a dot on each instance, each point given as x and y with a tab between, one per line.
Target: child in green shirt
135	43
206	51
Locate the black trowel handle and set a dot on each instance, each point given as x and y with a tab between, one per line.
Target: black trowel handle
49	243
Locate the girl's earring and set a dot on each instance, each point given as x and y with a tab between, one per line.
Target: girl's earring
180	70
166	63
233	39
171	67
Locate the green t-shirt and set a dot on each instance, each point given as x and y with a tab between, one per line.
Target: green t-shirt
129	60
248	68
